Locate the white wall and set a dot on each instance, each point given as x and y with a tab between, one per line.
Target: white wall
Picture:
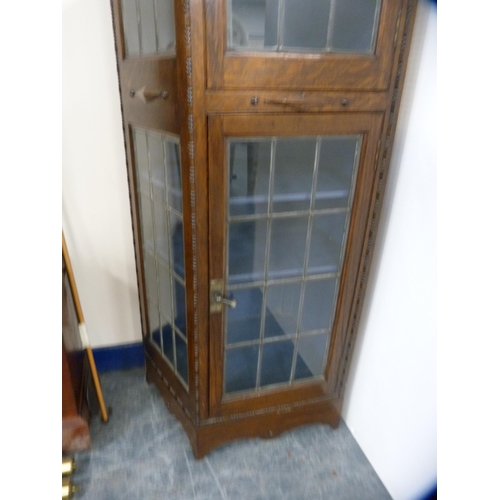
390	404
96	209
391	398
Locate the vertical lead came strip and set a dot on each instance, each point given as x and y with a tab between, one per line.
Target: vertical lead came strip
266	257
155	12
306	256
139	29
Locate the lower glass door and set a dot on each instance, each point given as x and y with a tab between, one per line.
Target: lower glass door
286	207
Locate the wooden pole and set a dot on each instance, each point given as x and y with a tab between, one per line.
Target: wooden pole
79	312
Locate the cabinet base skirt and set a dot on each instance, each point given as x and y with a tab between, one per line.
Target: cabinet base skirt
206	435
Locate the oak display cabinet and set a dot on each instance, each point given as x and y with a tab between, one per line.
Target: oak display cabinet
258	136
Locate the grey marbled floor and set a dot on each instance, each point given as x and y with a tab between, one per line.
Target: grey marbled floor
142	453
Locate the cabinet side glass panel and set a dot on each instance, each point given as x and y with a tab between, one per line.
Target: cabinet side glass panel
300	26
284	255
148	27
157	162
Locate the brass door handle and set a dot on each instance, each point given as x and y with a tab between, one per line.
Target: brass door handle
228	302
146	95
217	299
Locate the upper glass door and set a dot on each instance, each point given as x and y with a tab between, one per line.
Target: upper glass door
294	44
317	26
280	229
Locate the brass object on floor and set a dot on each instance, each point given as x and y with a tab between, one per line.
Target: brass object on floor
68	465
68	488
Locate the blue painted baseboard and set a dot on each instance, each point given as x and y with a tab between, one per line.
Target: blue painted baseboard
119	357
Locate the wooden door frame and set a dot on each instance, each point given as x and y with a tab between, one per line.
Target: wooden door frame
292	70
219	128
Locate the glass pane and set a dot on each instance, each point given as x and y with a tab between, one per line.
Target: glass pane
156	163
150	277
173	168
161	234
142	161
293	175
249	166
297	25
165	292
305	24
154	320
288	246
181	355
246	252
277	360
337	162
158	175
130	27
180	306
271	24
167	339
246	23
156	339
310	355
241	368
318	304
280	248
146	212
282	307
148	29
243	322
354	25
165	25
326	243
176	245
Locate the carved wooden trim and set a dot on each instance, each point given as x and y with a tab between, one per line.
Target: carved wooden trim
192	200
375	215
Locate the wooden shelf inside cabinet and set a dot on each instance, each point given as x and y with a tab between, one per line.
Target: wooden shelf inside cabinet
257	168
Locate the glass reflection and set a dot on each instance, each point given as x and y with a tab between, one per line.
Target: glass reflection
246	252
243	322
311	353
249	166
293	174
318	304
240	371
288	246
337	162
326	243
282	308
297	25
176	245
289	203
158	174
277	358
148	27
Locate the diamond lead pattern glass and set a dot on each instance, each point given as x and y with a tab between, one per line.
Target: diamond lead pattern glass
302	25
289	205
158	174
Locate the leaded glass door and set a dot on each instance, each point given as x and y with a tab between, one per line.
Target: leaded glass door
287	194
148	52
296	44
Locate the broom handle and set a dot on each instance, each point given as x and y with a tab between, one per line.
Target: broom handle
79	313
